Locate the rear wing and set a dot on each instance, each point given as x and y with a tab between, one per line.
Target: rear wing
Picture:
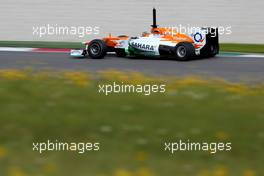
212	37
212	43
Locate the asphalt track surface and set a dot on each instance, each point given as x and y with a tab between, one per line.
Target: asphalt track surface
229	68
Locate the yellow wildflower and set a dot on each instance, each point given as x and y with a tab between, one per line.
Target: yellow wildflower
221	135
3	152
78	78
12	74
15	171
249	173
143	172
49	168
141	156
123	172
220	171
238	89
204	172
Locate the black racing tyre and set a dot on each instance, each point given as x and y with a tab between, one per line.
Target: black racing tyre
184	51
97	49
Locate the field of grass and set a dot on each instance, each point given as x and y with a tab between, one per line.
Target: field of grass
224	47
131	128
40	44
243	48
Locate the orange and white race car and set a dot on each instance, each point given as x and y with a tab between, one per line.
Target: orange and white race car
158	43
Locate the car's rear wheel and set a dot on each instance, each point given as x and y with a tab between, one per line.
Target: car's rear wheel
97	49
184	51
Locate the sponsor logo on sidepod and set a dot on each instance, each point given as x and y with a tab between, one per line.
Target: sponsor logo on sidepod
142	46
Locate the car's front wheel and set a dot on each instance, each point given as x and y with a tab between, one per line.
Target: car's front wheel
97	49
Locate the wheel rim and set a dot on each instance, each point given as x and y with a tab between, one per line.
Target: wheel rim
95	49
181	51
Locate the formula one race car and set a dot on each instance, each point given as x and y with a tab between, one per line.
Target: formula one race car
159	43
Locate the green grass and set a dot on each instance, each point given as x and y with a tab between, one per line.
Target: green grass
225	47
41	44
244	48
130	127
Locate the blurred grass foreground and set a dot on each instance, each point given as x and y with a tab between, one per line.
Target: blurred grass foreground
131	128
